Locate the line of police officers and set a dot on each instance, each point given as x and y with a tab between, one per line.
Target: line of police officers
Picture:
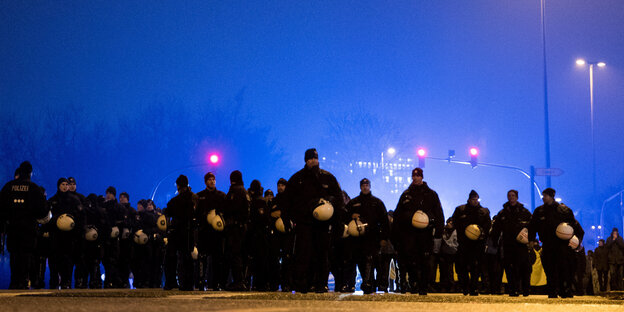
243	240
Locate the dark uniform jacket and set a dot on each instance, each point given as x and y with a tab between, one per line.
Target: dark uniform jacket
21	203
303	192
373	212
601	258
208	200
510	221
616	250
545	220
181	210
466	215
236	209
417	197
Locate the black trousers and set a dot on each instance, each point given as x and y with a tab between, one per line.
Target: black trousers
468	266
382	267
414	257
178	261
20	266
311	256
234	254
558	260
517	268
362	253
603	277
111	263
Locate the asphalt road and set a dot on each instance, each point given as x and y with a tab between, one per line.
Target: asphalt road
157	300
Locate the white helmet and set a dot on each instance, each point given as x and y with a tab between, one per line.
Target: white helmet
279	225
194	253
45	219
211	214
564	231
217	223
356	228
65	222
162	223
125	233
91	233
574	242
523	236
420	220
473	232
114	232
345	233
323	211
140	237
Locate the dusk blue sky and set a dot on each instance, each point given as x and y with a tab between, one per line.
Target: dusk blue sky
447	74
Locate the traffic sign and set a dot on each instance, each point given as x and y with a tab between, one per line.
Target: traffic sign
555	172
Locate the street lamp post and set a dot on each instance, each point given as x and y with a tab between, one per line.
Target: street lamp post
546	126
582	62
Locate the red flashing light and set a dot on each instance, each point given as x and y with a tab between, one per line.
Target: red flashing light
422	152
474	151
214	158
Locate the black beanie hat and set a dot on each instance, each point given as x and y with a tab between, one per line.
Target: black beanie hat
71	180
236	177
111	190
268	192
255	187
549	191
364	181
182	181
473	194
282	181
25	168
208	176
417	172
61	180
125	195
311	153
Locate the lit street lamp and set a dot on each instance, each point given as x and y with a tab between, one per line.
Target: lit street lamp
582	62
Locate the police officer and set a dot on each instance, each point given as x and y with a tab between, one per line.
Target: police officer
146	223
114	219
304	192
236	214
93	249
21	203
126	244
181	210
65	239
415	245
79	251
281	243
513	222
557	255
471	251
158	243
43	251
210	242
260	227
373	233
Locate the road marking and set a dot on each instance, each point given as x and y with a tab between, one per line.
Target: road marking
27	293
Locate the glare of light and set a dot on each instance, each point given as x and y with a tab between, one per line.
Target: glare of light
214	158
391	151
558	199
593	227
601	64
474	151
422	152
580	62
600	227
